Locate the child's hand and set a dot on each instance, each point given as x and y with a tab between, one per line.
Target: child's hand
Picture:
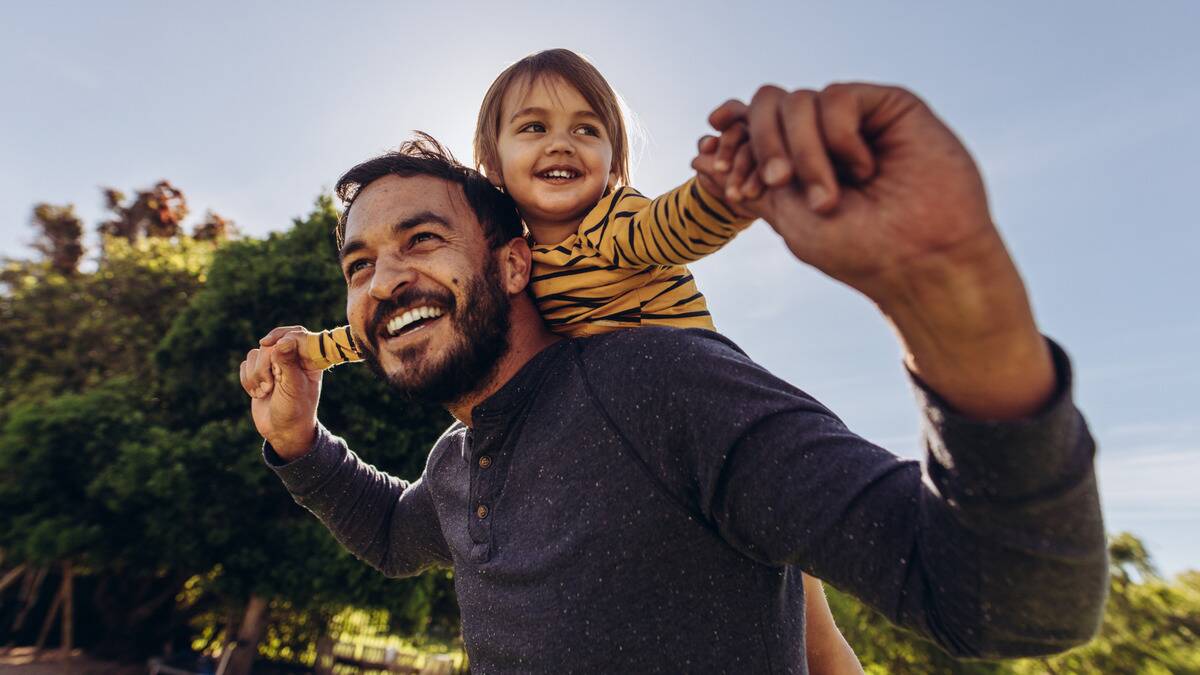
725	167
261	381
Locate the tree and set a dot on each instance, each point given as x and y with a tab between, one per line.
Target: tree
60	237
214	228
67	332
156	212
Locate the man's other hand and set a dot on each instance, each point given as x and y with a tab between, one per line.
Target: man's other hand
283	394
870	186
866	184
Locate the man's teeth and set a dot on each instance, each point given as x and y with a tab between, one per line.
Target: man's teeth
398	323
559	173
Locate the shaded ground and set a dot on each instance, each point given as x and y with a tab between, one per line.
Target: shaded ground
22	661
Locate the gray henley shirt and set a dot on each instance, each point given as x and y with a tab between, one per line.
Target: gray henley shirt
644	501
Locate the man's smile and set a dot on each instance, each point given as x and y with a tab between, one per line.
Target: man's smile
407	324
412	319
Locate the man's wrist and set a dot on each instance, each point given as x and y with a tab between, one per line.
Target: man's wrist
969	333
291	447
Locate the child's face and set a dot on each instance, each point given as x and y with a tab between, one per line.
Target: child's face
555	154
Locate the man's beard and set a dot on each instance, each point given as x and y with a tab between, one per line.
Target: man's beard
481	338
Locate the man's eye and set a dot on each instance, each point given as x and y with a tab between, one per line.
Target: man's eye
422	237
536	127
356	266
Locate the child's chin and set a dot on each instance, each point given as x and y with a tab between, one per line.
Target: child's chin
563	207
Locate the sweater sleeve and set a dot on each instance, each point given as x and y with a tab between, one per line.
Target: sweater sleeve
677	228
388	523
993	547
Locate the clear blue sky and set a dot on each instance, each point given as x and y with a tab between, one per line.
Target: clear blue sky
1080	113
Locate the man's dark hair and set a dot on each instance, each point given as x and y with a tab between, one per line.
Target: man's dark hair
424	156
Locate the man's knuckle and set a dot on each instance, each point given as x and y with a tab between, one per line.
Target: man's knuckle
766	92
837	96
800	97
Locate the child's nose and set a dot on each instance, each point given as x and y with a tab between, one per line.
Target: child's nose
561	142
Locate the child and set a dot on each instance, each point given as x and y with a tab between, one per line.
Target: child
550	133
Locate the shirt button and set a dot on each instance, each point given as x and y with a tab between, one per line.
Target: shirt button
485	462
481	511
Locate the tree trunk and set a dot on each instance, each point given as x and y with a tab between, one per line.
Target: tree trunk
68	609
324	663
12	576
29	593
254	624
49	621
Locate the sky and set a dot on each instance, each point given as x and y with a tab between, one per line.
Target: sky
1080	114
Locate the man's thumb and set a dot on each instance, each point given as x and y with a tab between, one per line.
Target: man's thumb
288	352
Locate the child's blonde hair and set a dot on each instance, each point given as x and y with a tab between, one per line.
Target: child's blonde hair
571	68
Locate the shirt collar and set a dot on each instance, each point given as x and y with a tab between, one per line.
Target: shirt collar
520	387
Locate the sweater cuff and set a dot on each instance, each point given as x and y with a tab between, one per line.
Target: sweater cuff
312	469
969	459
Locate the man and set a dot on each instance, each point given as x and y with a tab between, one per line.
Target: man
642	501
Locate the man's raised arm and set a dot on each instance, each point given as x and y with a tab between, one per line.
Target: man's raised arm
866	184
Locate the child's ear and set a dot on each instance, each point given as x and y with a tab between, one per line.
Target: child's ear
612	181
493	175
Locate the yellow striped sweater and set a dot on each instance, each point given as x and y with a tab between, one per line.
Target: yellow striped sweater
624	267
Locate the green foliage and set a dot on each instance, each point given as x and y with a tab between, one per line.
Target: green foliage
126	444
65	333
59	237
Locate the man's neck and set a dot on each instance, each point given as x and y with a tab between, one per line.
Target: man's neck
527	337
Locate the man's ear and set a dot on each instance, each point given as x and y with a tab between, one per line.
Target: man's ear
516	265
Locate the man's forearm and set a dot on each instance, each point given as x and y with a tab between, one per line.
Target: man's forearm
387	522
968	331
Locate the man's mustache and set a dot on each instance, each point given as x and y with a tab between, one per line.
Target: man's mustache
412	297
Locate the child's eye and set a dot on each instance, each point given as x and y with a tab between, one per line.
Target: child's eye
536	127
587	130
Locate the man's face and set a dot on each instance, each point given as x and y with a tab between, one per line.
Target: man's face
423	289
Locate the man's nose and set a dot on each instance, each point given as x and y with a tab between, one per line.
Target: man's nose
390	278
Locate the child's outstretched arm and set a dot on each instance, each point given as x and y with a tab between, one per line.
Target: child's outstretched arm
677	228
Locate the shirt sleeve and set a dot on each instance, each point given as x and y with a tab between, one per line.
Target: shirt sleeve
993	547
388	523
677	228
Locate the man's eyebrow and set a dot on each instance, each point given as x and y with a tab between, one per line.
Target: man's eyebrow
535	111
350	247
421	218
